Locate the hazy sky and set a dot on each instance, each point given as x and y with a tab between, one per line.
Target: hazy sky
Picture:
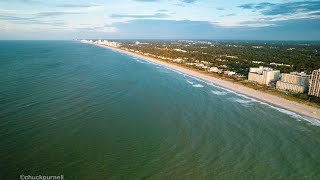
160	19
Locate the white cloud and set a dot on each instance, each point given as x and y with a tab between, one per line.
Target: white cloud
107	29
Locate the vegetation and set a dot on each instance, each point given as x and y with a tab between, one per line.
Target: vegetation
302	56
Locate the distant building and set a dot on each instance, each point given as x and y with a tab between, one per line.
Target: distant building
263	75
213	69
109	43
86	41
190	64
178	60
293	82
202	66
280	64
314	88
229	73
257	62
180	50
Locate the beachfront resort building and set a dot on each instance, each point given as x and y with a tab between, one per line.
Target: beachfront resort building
314	88
263	75
293	82
229	73
215	70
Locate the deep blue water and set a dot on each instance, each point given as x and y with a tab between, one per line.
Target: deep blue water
92	113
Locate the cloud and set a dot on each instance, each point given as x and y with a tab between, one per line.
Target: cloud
13	18
315	14
277	14
283	8
104	29
48	14
303	29
232	14
245	24
256	24
189	1
256	6
164	29
157	15
250	30
22	1
163	10
78	5
183	1
147	0
107	29
29	20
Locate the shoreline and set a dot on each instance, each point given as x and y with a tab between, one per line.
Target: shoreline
298	108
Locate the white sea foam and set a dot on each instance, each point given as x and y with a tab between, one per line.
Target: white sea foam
295	115
241	101
190	82
139	60
219	93
198	85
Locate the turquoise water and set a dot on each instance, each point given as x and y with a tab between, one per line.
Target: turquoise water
91	113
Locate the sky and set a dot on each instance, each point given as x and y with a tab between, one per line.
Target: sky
160	19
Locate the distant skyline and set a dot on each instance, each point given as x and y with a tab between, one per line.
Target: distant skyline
160	19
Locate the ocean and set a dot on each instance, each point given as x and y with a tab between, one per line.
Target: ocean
87	112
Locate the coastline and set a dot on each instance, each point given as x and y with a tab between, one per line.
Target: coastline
298	108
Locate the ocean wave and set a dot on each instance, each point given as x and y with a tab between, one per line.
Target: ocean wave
139	60
219	93
198	85
190	82
296	116
241	101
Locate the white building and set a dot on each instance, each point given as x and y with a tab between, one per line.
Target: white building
293	82
202	66
280	64
214	69
263	75
229	73
180	50
84	41
314	89
109	43
257	62
178	60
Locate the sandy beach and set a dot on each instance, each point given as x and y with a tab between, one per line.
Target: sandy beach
298	108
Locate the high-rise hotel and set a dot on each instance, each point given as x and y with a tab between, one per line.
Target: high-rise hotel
314	88
294	82
263	75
